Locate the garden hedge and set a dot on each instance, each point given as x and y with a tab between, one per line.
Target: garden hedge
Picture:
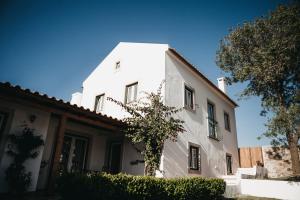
105	186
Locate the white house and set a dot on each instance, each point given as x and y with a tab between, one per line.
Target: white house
209	146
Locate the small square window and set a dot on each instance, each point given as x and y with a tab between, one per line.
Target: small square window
188	98
118	65
99	102
227	121
131	93
194	161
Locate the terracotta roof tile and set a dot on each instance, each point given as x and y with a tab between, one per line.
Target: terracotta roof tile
11	89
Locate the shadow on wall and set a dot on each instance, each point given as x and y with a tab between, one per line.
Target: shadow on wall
177	153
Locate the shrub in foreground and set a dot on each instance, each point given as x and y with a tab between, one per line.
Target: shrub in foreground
106	186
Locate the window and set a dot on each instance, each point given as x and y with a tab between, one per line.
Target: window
212	123
229	163
3	120
188	98
194	161
131	93
73	153
99	101
118	65
227	121
114	159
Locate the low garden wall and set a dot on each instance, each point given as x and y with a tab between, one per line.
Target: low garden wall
105	186
270	188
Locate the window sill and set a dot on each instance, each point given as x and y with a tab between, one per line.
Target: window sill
228	130
214	138
190	109
194	171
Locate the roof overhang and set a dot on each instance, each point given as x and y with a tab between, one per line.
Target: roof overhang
16	94
201	76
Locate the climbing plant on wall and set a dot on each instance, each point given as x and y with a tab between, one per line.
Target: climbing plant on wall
151	123
22	146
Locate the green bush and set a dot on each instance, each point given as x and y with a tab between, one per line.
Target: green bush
72	186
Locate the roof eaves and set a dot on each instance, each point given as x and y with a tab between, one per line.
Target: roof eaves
57	102
194	69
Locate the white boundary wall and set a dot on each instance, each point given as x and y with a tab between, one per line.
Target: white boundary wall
272	189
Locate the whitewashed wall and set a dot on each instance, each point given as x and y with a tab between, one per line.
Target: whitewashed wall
213	153
129	155
148	65
20	115
271	189
142	63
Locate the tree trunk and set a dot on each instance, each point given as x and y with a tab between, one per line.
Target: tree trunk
293	145
149	170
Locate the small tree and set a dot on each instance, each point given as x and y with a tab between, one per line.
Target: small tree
22	147
151	123
266	55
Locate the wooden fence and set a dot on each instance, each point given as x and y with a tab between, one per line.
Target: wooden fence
249	156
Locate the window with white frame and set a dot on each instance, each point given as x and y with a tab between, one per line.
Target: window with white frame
227	121
131	92
99	102
194	158
188	98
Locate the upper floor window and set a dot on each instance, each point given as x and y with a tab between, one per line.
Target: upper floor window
99	101
227	121
212	123
188	98
131	92
194	158
118	65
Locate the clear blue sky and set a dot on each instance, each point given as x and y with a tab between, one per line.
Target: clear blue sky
52	46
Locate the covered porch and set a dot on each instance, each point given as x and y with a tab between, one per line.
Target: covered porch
76	139
80	145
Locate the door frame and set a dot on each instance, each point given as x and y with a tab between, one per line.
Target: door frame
109	143
85	138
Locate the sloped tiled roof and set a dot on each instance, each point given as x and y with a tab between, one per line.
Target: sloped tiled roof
26	94
194	69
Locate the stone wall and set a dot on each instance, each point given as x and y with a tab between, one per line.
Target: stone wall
277	160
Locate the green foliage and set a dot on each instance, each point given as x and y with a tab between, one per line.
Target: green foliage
22	147
151	123
265	54
18	179
284	121
105	186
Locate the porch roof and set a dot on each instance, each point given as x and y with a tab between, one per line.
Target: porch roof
20	95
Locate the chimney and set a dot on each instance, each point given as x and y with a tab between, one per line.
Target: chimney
76	99
222	84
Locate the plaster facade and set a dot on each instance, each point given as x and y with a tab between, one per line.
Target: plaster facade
148	65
